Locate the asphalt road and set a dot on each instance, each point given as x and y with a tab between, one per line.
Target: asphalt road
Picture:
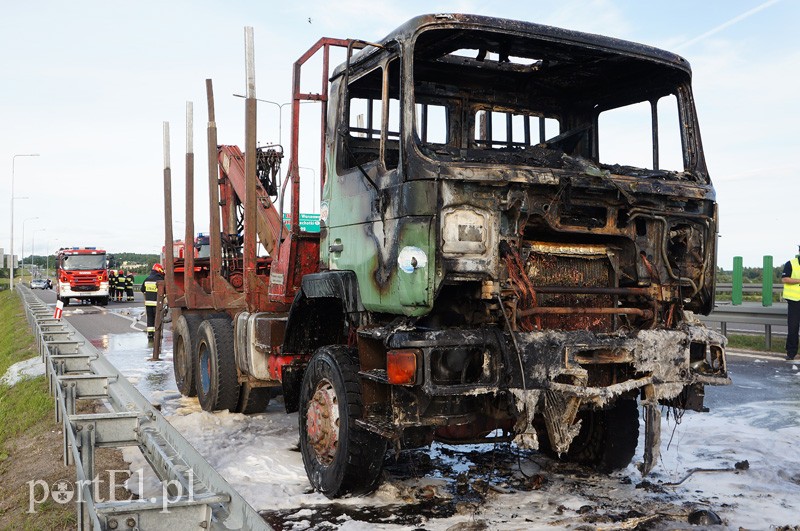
96	322
747	420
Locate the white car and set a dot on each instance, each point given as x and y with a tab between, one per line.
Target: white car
39	283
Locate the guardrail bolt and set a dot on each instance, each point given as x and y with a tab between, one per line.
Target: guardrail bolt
204	524
112	524
131	522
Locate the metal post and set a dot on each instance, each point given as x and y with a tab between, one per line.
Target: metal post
250	200
213	191
169	255
11	251
766	282
736	290
159	324
188	252
768	337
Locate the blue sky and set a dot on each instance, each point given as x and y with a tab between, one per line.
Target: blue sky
87	84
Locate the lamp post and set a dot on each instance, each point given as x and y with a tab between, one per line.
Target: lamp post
280	107
33	245
11	265
24	221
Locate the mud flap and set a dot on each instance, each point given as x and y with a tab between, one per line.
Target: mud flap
652	432
559	415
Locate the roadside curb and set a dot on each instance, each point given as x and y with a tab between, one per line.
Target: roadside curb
756	353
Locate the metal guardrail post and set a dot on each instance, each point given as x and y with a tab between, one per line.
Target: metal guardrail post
768	336
736	293
766	288
77	371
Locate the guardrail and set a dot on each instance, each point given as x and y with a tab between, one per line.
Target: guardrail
727	287
195	495
767	317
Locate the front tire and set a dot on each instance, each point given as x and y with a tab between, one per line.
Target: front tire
216	379
339	457
608	438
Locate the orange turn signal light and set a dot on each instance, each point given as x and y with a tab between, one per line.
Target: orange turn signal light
401	366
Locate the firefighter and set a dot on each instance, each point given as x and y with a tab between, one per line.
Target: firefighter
129	286
120	285
150	290
112	284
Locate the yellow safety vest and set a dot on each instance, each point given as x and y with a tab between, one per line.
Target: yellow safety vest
150	295
791	292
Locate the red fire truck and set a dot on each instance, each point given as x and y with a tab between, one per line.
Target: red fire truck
82	275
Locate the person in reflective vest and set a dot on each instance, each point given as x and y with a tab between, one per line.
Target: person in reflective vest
112	284
150	290
120	285
791	294
129	286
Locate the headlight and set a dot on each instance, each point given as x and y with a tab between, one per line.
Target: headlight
464	231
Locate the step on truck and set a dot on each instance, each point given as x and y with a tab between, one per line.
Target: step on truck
81	273
517	230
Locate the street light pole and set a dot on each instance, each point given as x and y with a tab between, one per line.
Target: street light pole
11	265
22	256
280	107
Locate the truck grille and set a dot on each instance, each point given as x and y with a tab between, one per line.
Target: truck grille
572	266
84	283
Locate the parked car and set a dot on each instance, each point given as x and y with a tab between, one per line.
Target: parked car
39	283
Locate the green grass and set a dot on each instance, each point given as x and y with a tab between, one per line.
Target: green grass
27	402
755	342
25	407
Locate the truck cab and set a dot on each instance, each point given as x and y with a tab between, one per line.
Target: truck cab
518	277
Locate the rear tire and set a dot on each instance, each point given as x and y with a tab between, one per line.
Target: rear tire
253	400
339	457
216	379
184	364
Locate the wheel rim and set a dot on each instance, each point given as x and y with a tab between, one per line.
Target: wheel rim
205	365
322	422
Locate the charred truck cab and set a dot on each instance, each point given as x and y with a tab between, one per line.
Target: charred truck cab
491	265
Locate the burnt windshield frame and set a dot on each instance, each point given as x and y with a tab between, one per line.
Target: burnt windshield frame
582	80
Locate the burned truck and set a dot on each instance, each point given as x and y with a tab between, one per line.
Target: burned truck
517	231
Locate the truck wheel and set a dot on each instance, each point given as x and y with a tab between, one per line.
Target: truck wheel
64	300
216	379
339	457
103	301
253	399
608	438
184	339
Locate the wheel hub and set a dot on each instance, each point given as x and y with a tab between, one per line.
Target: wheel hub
322	422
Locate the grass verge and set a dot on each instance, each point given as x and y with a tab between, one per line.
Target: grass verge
755	342
26	430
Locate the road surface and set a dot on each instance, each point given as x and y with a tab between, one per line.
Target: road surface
739	461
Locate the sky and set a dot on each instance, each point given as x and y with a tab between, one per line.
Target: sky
88	85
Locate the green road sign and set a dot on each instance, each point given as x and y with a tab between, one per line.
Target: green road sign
308	222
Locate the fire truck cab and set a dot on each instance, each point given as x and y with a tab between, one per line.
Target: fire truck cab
82	274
